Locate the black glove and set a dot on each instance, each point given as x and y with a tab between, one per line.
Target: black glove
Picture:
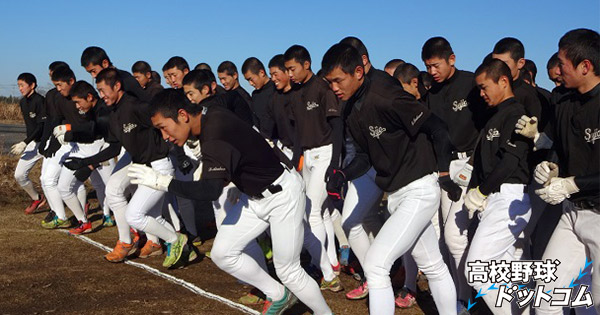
454	191
52	148
75	163
184	163
83	173
335	182
329	172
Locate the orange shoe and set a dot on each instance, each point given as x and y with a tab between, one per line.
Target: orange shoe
120	252
150	249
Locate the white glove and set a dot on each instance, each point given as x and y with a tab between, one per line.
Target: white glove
527	127
194	145
475	201
544	172
61	139
198	172
233	195
60	130
463	177
18	148
144	175
558	190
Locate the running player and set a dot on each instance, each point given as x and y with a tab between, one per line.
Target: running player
142	72
228	75
262	97
174	70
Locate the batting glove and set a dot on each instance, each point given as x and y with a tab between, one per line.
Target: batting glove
544	172
463	177
475	201
185	164
18	148
194	145
450	188
527	127
75	163
144	175
83	173
61	130
198	173
558	190
335	182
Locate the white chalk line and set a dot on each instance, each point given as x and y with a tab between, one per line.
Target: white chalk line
190	286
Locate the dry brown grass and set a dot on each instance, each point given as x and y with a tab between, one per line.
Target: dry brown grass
10	112
10	190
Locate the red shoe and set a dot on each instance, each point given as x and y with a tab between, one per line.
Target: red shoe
405	299
82	228
359	293
36	205
136	236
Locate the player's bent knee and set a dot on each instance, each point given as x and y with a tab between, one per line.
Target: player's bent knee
292	275
436	270
135	219
377	275
21	178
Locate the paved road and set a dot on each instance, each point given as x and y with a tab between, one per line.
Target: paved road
9	135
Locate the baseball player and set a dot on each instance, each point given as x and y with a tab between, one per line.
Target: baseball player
498	186
174	70
142	72
34	115
575	179
393	133
130	127
283	129
228	75
233	151
254	72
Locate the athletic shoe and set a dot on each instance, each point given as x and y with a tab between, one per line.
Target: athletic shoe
150	249
251	298
108	221
334	285
359	293
193	255
174	250
136	237
49	216
120	252
344	255
56	223
405	298
337	269
278	307
207	254
197	242
36	205
82	228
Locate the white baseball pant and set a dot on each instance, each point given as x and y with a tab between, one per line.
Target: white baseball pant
27	161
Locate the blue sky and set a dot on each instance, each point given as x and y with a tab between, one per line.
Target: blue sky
35	33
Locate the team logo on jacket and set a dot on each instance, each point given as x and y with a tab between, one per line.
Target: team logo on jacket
127	128
376	131
592	136
216	169
492	133
311	105
459	105
32	115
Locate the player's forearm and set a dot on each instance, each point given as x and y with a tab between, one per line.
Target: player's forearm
438	131
588	183
357	167
337	134
110	152
39	128
503	170
204	189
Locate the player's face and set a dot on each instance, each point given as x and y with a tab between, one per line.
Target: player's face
176	132
554	75
490	91
512	64
142	78
297	72
93	70
229	82
64	87
256	80
110	95
194	95
343	84
83	104
24	88
279	78
174	77
570	74
440	68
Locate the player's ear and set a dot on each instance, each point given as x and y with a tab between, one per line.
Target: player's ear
306	65
452	59
105	63
586	66
186	71
414	82
89	97
182	115
520	63
205	90
359	72
235	76
365	59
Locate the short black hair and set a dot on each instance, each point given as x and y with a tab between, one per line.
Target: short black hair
356	43
94	55
198	79
169	101
436	47
253	65
526	76
553	61
141	67
426	79
394	63
531	67
210	75
494	69
27	78
277	61
298	53
63	74
155	76
176	62
406	72
56	64
581	44
81	89
228	67
510	45
110	77
202	66
341	55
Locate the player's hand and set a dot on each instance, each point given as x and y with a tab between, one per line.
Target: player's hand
61	139
527	127
194	145
233	195
18	148
558	190
61	130
53	147
83	173
453	190
75	163
184	163
143	175
475	201
463	177
335	183
545	171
